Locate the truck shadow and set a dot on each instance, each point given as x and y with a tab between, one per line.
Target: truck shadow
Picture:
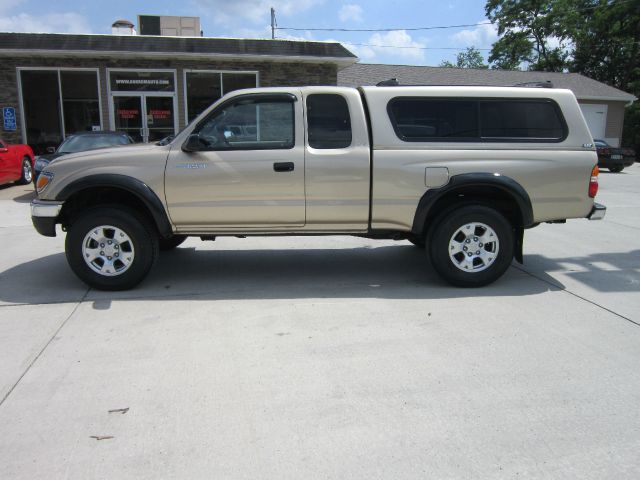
395	272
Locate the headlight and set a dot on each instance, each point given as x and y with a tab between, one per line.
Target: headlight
44	179
41	163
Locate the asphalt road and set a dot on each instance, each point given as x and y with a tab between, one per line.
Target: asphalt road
305	358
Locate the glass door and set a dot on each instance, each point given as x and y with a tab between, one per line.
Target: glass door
159	111
128	119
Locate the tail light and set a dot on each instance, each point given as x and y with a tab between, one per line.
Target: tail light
593	182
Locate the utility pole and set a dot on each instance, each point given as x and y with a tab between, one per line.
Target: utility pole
273	23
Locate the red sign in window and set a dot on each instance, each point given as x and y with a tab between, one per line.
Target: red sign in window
128	113
160	114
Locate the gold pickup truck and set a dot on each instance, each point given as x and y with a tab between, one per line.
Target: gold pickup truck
459	171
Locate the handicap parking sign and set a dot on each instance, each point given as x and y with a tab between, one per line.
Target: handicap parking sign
9	116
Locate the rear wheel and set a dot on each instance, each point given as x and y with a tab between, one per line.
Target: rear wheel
27	172
616	169
471	246
111	249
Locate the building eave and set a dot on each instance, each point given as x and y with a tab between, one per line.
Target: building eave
340	61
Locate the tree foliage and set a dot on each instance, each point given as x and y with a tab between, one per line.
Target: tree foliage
470	58
597	38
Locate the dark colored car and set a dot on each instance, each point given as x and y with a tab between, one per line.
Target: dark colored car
16	163
81	142
615	159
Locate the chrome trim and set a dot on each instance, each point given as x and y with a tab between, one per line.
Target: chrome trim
42	208
597	212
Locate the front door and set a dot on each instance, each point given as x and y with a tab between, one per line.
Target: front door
144	117
244	167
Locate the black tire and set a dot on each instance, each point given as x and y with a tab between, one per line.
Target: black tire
484	269
616	169
417	241
140	239
27	172
171	242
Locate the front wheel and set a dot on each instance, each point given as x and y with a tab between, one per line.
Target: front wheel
616	169
471	246
111	249
26	172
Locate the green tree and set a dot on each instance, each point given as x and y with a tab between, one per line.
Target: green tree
529	35
470	58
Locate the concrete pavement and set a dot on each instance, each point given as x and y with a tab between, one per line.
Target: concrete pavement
325	358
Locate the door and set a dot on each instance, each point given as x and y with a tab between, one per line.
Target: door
144	117
244	167
596	117
127	112
159	117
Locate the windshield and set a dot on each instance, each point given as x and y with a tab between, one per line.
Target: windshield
80	143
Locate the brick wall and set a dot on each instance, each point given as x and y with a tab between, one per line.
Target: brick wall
270	74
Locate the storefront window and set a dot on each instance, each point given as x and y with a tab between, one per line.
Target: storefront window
204	88
58	103
80	101
41	99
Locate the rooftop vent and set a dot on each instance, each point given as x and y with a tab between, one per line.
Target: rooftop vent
123	27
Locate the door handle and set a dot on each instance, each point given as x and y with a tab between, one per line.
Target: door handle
283	166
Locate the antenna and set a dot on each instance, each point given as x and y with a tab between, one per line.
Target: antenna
273	24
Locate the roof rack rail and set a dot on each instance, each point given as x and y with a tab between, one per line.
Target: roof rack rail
544	84
392	82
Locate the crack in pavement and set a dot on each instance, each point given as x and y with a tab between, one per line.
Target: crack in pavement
562	288
45	347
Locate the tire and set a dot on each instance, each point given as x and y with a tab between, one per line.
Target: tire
27	172
171	242
616	169
417	241
130	232
460	232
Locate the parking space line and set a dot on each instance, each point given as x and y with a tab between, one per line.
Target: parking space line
45	347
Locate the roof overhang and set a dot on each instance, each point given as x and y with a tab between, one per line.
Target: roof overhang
340	61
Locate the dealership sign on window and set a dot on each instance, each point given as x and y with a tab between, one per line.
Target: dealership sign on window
142	81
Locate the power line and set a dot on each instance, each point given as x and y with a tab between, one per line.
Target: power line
407	46
414	29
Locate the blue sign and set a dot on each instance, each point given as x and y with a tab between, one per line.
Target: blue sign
9	116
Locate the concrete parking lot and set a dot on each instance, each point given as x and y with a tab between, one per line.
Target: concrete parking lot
305	358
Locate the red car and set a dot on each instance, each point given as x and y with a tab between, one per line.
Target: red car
16	163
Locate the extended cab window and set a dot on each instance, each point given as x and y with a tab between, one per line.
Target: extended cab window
520	119
250	124
479	120
425	119
329	123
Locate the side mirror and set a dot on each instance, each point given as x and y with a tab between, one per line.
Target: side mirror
192	144
51	149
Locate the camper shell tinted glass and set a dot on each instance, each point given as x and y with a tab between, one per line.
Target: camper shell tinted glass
420	119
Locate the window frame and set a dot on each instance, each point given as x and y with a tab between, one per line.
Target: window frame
256	97
222	92
479	138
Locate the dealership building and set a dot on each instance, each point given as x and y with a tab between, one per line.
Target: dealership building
151	85
147	86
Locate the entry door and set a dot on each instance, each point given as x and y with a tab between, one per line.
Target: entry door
128	116
145	118
244	167
596	117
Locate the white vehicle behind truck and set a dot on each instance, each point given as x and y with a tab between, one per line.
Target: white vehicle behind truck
462	171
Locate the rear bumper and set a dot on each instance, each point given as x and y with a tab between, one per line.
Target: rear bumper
597	212
44	216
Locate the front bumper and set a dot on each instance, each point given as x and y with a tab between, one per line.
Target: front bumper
597	212
44	216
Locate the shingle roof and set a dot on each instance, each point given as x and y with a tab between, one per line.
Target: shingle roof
361	74
52	42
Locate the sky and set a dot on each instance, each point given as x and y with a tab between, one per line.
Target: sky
251	19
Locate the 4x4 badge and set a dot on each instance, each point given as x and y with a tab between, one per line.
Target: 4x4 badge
192	166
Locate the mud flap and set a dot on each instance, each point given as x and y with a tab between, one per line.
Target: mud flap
519	245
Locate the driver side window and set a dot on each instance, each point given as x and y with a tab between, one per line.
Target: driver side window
250	124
